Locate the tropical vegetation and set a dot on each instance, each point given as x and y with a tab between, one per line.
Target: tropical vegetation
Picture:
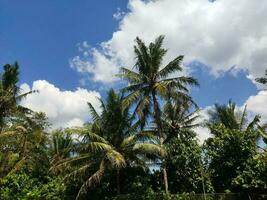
140	144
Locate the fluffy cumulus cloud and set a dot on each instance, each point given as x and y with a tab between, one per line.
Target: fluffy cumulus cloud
95	63
220	34
257	105
63	108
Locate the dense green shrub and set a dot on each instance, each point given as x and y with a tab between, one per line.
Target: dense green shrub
23	187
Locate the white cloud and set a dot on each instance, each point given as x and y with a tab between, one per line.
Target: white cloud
63	108
100	67
203	132
119	14
257	105
221	34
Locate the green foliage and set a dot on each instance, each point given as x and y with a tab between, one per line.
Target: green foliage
10	95
229	153
151	83
185	167
121	143
60	146
23	187
253	178
108	144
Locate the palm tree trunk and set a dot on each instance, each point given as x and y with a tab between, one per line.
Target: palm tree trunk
165	178
159	126
118	182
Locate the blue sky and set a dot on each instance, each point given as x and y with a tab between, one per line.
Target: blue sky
45	36
42	35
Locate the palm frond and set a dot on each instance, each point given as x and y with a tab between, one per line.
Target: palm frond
131	98
130	76
143	136
61	164
173	66
115	158
94	114
156	53
78	171
93	180
98	147
24	95
152	149
254	122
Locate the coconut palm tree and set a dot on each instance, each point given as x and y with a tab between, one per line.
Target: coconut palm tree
110	142
232	118
61	145
24	142
15	121
10	93
150	83
178	118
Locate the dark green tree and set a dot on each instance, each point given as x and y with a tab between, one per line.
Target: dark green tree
10	94
233	145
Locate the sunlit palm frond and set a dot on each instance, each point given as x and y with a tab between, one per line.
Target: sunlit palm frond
98	147
131	98
61	164
143	136
147	148
115	158
130	75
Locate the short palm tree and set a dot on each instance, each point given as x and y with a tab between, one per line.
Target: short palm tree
10	140
61	145
22	143
150	83
231	118
111	142
178	118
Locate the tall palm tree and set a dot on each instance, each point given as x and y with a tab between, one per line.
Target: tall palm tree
15	126
10	93
111	142
150	83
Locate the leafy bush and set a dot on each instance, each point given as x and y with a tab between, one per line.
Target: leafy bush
23	187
